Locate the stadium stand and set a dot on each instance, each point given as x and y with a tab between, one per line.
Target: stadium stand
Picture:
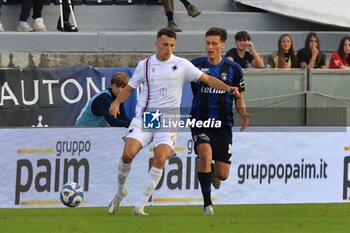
130	26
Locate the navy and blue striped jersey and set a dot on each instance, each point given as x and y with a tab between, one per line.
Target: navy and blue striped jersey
209	102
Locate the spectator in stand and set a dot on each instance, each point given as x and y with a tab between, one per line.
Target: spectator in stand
1	27
310	56
192	10
341	59
38	24
285	56
240	54
67	27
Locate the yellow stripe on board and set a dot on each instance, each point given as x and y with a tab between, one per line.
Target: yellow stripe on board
41	202
179	199
35	151
178	149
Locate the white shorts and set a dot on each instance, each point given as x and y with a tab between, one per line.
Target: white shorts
145	137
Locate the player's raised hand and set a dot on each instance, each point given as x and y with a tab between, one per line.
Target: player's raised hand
314	51
114	109
250	45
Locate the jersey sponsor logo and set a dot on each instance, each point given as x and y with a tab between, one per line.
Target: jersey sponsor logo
211	90
174	67
205	70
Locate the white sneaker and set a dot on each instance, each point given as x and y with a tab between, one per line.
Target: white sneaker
113	206
208	210
39	25
23	26
138	211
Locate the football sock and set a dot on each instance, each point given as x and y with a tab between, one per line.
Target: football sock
123	172
205	182
170	16
152	181
185	2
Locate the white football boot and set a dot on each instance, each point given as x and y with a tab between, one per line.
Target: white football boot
138	211
208	210
113	206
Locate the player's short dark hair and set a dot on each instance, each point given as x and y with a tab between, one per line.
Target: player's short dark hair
216	31
120	79
167	32
242	35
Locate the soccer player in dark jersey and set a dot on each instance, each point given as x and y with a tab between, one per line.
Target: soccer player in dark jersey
210	103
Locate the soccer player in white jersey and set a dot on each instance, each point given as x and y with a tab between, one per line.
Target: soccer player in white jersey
163	76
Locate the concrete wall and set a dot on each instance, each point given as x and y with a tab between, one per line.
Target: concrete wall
120	35
52	60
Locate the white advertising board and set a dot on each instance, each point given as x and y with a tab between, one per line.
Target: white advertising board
267	167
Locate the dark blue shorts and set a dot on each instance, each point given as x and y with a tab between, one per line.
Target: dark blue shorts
220	141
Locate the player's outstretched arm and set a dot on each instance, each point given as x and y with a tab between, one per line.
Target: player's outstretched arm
123	95
213	82
242	110
218	84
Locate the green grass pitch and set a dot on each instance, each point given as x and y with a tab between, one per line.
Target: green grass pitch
285	218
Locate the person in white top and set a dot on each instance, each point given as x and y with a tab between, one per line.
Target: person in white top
163	76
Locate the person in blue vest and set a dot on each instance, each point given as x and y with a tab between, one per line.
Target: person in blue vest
96	111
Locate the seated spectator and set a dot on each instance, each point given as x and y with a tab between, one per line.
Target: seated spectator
38	24
341	59
240	54
67	27
192	10
311	56
285	56
1	27
96	111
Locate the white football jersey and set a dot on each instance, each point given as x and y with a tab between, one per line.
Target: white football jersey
162	82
